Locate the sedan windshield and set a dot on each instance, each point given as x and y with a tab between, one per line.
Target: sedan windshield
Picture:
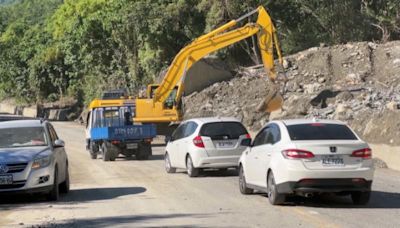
22	137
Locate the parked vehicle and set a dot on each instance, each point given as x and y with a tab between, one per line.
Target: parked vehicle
205	143
307	157
111	131
32	159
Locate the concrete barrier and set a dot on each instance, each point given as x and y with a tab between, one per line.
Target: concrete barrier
8	108
30	111
389	154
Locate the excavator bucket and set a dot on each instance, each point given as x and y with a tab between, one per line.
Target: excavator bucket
272	102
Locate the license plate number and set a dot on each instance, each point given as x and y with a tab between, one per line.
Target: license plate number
332	161
6	179
131	146
224	144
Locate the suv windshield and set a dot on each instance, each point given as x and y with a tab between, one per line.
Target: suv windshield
319	131
22	137
223	130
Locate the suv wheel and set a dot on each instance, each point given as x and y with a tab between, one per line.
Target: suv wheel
65	186
168	166
54	194
360	198
242	183
191	170
274	197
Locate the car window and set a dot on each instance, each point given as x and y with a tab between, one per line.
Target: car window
190	129
53	134
22	137
320	131
275	134
223	130
259	139
179	132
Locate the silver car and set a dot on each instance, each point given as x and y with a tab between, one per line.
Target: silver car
32	159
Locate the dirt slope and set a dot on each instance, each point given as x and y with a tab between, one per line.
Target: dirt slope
358	83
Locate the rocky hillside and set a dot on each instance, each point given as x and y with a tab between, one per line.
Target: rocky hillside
358	83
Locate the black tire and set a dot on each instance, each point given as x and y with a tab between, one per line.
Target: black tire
223	170
191	170
242	183
361	198
106	152
54	194
144	151
168	166
65	186
94	150
274	197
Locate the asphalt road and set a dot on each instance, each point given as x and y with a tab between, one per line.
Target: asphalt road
130	193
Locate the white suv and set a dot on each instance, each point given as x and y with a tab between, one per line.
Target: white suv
307	157
205	143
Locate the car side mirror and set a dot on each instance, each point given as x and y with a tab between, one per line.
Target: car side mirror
59	143
246	142
168	138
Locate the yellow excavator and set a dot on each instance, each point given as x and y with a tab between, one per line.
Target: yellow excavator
163	102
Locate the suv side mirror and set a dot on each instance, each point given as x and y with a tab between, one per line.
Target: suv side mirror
59	143
246	142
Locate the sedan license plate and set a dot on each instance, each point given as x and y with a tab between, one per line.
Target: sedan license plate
332	161
6	179
225	144
131	146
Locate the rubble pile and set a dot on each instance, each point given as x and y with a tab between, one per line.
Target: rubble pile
358	83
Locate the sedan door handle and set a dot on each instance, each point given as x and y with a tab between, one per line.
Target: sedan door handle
255	157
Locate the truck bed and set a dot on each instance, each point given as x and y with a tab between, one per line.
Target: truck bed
122	133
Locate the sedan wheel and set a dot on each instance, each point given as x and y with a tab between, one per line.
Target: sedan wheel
242	183
168	166
274	197
191	171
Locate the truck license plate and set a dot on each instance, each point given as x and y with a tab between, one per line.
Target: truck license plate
332	161
131	146
6	179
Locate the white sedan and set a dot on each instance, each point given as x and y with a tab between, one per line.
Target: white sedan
307	157
205	143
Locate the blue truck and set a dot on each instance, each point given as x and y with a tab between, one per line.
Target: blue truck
110	130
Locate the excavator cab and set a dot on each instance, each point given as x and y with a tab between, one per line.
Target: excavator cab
170	102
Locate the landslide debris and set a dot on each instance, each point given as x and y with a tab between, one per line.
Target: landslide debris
358	83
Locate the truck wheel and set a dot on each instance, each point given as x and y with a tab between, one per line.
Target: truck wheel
144	151
93	149
106	152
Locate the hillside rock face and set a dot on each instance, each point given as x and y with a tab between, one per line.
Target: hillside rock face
358	83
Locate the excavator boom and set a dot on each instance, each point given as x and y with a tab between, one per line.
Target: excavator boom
216	40
163	104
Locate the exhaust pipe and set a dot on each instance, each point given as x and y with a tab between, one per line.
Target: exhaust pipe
308	195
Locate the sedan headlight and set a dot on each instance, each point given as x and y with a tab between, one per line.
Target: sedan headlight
41	162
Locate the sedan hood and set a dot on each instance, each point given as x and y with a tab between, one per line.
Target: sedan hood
22	154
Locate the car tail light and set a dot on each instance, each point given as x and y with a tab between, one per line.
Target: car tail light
297	154
115	142
365	153
248	136
198	141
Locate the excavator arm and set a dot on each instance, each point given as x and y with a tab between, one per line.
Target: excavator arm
163	104
216	40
